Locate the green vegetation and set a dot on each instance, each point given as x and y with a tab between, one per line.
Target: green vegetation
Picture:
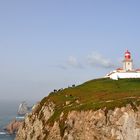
95	94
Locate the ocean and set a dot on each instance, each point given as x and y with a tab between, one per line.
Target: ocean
8	112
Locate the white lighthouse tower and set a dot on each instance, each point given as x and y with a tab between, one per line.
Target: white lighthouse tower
127	62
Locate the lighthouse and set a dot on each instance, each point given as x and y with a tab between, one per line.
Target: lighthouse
127	62
127	71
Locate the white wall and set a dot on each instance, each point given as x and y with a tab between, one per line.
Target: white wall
118	75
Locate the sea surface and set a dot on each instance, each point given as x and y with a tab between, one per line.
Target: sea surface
8	112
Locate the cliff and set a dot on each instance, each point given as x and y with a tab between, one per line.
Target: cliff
105	110
118	124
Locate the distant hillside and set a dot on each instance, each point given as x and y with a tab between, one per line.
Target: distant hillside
61	111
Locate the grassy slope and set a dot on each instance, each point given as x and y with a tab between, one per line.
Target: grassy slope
95	94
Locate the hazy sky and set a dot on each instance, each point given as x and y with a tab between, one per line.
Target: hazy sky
50	44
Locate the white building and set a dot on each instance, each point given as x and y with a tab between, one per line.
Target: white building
127	71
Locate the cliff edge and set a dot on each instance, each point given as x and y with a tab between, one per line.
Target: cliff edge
100	109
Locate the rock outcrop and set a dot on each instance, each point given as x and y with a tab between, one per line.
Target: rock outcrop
23	108
13	126
118	124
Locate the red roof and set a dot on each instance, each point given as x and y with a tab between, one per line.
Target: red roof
119	68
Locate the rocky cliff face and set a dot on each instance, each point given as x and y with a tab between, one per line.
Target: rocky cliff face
118	124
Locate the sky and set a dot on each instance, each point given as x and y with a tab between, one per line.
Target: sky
52	44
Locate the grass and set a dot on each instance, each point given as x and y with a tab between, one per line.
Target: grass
93	95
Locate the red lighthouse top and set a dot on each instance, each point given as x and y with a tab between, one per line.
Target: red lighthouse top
127	55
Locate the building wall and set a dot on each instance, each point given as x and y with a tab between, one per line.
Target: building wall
117	75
